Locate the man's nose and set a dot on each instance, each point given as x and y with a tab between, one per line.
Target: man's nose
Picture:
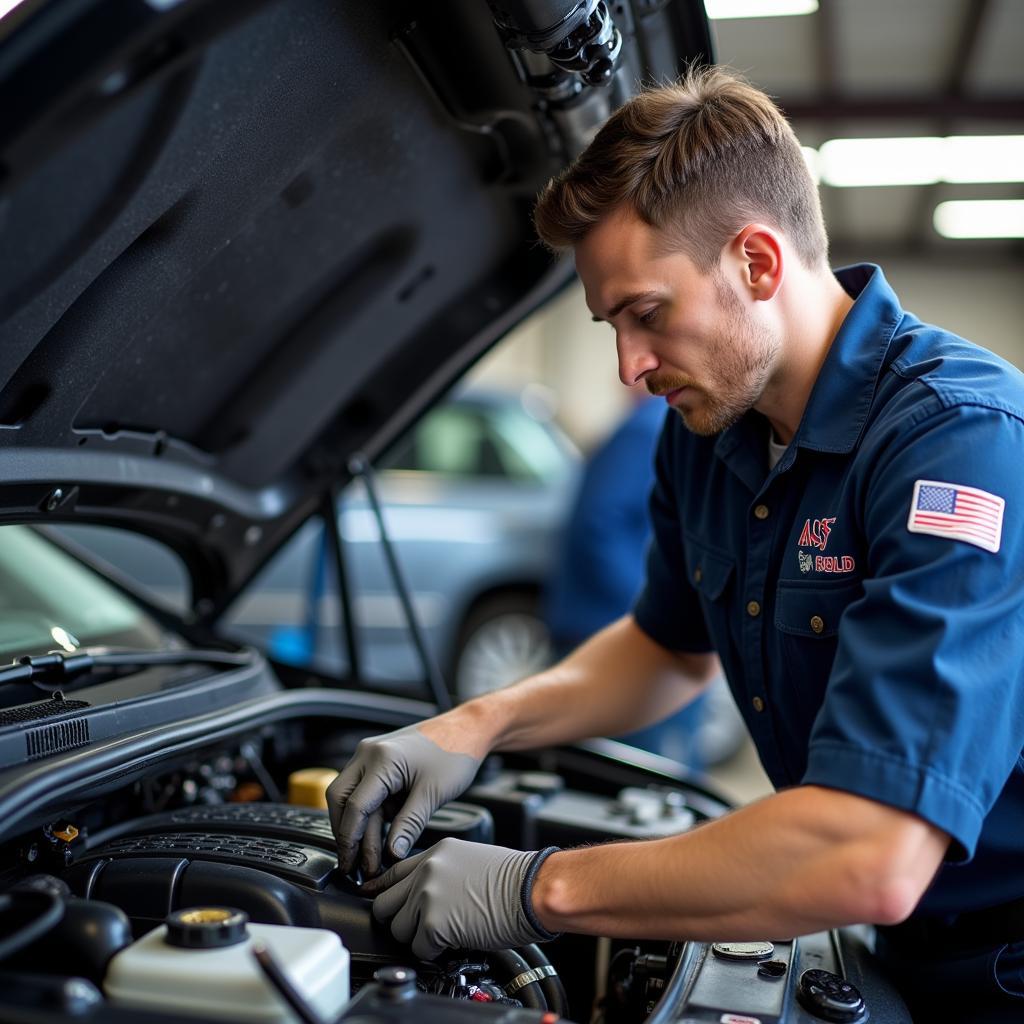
636	360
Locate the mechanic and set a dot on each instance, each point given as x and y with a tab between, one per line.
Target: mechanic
836	514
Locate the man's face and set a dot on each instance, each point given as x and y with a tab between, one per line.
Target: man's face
685	334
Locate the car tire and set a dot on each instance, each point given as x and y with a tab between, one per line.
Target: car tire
503	639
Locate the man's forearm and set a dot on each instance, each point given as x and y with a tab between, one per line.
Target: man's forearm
617	681
801	861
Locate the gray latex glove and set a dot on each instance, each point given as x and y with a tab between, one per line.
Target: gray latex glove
404	763
461	895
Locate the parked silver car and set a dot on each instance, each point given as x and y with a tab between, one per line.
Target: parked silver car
473	499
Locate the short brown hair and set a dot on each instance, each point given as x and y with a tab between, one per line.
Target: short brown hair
697	159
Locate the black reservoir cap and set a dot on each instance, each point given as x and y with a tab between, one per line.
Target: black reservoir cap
207	927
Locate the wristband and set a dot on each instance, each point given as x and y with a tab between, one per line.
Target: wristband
526	894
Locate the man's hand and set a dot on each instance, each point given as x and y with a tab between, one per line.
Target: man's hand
460	895
411	772
401	763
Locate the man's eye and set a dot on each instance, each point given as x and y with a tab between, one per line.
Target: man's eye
649	316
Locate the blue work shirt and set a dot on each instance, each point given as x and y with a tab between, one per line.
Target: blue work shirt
868	647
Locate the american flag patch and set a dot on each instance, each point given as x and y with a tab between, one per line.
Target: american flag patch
952	510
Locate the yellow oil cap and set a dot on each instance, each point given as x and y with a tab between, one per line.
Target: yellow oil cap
308	786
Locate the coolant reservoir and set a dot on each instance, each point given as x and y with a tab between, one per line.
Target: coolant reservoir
308	786
201	963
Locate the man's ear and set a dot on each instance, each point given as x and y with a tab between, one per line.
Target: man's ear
756	251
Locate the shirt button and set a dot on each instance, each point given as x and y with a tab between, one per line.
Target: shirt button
761	511
758	704
753	609
698	574
817	623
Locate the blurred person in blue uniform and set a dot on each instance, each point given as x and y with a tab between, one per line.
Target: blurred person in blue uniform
600	567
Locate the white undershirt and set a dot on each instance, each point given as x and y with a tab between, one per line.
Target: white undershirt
775	451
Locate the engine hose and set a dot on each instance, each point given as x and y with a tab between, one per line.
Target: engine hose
554	990
514	967
38	912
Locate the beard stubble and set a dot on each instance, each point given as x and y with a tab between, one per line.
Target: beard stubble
739	366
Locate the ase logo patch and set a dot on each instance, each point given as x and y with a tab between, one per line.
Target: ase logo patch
815	534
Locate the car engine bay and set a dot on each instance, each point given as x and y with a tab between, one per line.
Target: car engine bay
105	863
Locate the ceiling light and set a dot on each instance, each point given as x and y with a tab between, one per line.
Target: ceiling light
974	158
813	162
720	9
922	161
853	162
980	218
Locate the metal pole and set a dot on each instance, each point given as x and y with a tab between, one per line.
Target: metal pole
360	467
335	543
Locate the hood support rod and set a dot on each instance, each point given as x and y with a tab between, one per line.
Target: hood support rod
360	468
335	546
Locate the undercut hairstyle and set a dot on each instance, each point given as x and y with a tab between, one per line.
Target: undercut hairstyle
697	160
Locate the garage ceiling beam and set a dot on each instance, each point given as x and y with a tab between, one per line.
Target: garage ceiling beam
897	108
974	15
827	52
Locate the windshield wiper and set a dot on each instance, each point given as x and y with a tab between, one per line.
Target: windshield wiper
55	668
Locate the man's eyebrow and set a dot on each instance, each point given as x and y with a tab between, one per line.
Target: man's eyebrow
622	304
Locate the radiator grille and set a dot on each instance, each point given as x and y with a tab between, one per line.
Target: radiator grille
52	739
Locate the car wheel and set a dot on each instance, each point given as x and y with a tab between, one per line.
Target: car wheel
503	640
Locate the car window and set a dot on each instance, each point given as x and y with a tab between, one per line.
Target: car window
291	609
154	570
51	601
464	439
529	450
453	440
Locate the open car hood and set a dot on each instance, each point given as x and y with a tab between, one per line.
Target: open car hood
244	242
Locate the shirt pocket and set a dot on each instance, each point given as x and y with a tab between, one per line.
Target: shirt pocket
711	575
807	616
710	569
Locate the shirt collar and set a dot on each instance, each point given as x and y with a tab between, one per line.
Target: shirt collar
842	395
